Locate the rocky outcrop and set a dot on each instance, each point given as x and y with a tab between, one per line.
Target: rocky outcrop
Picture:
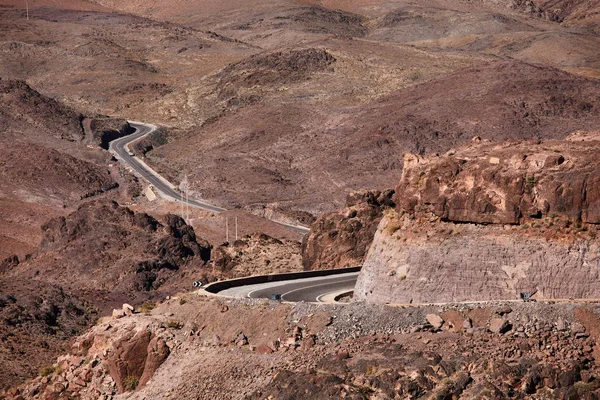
135	358
155	139
571	11
488	222
104	130
273	68
8	263
105	245
341	238
256	254
506	183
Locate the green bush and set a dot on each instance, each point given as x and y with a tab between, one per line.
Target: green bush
173	324
131	383
47	370
146	307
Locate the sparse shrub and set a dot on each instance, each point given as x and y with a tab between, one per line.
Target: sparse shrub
131	383
584	387
173	324
182	301
392	228
447	382
531	181
371	369
47	370
415	76
146	307
85	348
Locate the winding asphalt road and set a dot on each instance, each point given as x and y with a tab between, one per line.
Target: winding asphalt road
119	147
315	289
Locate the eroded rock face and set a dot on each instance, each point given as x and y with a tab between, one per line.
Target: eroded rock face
341	238
135	359
414	261
107	129
490	221
506	183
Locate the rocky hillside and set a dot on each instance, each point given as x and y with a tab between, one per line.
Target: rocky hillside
105	249
45	168
282	148
36	321
256	254
570	12
490	221
24	110
193	347
341	238
90	261
40	174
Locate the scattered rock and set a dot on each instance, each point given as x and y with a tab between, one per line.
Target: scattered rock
241	340
264	349
467	324
435	320
499	325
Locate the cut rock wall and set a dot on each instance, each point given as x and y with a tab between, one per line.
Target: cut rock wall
488	221
449	263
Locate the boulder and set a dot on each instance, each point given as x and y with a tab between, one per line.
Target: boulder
264	349
127	309
499	325
435	320
158	351
467	324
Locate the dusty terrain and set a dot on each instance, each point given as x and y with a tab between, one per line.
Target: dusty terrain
289	109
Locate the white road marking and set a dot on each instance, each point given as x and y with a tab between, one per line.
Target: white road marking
313	286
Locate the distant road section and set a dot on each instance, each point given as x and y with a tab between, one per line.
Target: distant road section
119	147
306	289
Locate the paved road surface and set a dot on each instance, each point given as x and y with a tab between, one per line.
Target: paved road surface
306	289
120	149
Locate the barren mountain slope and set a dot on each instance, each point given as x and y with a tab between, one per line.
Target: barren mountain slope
102	62
288	155
107	252
39	174
26	114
